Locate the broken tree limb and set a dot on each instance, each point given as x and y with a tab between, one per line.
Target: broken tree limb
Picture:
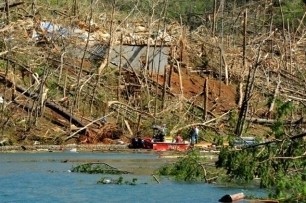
110	103
128	127
84	127
272	121
276	91
173	131
278	140
3	53
155	178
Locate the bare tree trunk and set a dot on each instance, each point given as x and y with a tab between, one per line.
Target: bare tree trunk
43	91
163	16
75	8
138	123
65	82
5	90
223	61
244	38
290	47
247	96
214	18
7	12
105	61
240	93
243	58
164	88
205	91
181	97
276	91
171	66
61	68
120	68
76	101
33	7
183	45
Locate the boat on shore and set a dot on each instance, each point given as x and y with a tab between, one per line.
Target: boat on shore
167	145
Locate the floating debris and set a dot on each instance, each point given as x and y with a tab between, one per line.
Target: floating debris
94	168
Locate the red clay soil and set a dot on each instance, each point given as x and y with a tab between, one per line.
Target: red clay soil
221	97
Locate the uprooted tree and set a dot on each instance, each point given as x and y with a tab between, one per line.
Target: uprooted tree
279	163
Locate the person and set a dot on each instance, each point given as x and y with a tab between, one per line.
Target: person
137	142
196	129
178	139
194	134
160	133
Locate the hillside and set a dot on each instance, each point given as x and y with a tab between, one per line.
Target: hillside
89	73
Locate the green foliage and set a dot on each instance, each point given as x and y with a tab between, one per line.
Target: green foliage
278	164
53	88
233	117
232	161
293	11
286	191
218	140
283	109
189	13
94	168
260	162
266	162
188	168
2	65
209	135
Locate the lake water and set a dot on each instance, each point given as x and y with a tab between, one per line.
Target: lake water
45	177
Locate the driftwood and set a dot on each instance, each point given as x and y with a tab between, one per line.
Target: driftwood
156	179
232	198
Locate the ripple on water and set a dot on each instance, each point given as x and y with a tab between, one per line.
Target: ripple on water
44	177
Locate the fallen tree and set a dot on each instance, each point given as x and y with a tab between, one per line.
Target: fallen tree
51	105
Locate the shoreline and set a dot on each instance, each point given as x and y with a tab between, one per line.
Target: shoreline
68	147
93	148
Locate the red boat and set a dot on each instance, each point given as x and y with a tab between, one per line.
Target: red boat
149	143
158	142
166	146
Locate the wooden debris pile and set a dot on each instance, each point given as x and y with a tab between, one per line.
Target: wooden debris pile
107	134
